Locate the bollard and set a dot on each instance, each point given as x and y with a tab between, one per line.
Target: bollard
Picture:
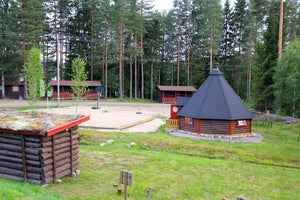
116	184
149	193
119	191
224	199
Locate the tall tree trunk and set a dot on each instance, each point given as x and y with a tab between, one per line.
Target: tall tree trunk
57	54
142	53
178	50
121	63
92	42
130	67
172	74
3	85
135	70
106	35
280	30
189	43
211	47
152	73
250	63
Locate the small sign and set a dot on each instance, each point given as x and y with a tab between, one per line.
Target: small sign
126	177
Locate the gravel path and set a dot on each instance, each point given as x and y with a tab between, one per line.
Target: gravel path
253	138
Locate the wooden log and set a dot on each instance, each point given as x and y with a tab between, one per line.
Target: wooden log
59	157
60	169
49	167
19	166
60	151
10	147
33	163
10	141
10	153
50	179
37	139
24	159
20	173
19	155
10	159
10	136
15	160
10	171
20	178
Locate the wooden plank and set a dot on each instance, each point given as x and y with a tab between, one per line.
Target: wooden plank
71	150
54	159
24	159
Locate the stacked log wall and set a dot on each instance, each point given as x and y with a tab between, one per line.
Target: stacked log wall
37	159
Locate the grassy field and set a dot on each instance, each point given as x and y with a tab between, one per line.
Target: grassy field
178	168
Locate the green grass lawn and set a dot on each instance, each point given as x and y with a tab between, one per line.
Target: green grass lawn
178	168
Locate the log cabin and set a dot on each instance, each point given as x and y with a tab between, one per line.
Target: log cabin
66	91
39	149
214	109
169	94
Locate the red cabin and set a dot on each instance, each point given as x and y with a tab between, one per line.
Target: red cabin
67	93
169	94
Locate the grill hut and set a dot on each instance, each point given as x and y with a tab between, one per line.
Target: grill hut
39	149
215	109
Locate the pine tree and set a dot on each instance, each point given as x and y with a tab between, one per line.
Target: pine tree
265	62
10	58
241	24
227	49
286	81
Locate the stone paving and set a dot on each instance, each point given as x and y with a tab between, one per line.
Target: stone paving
253	138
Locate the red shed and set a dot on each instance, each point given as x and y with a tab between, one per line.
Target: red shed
169	94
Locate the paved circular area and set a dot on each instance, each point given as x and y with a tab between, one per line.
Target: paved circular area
119	117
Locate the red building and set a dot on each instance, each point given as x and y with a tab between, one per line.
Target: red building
66	92
169	94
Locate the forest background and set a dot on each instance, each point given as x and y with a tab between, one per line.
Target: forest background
131	48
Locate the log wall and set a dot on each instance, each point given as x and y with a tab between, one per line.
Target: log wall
39	159
191	128
241	130
214	126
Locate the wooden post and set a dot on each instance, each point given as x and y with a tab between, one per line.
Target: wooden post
250	125
24	159
125	186
71	151
230	127
54	161
198	130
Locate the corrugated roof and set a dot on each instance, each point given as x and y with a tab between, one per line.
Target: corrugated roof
71	83
176	88
215	99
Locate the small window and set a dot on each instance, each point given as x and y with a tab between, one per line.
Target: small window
15	88
241	123
188	121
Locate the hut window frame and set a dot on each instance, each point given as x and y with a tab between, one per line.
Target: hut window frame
188	121
241	123
15	89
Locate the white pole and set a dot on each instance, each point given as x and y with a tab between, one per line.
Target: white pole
3	86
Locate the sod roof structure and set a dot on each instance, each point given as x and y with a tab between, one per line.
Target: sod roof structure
40	123
215	99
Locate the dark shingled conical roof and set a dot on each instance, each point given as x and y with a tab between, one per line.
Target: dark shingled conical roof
215	99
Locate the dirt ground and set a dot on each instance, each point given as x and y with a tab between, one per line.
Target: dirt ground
120	117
